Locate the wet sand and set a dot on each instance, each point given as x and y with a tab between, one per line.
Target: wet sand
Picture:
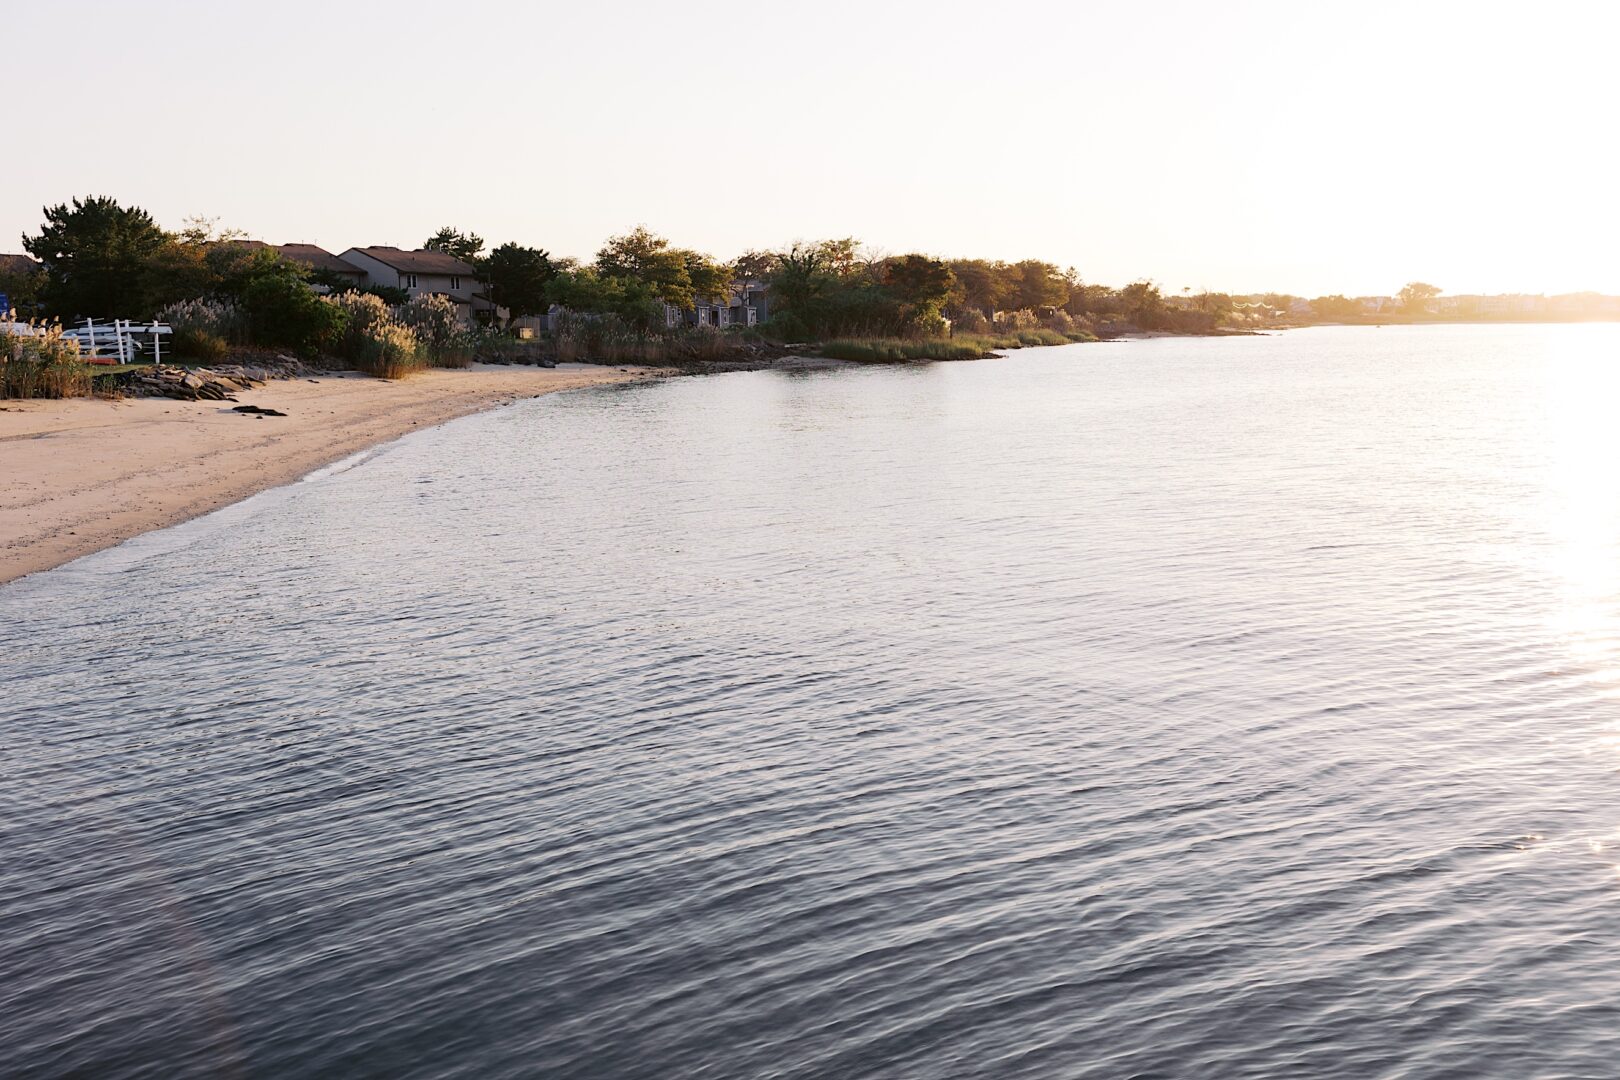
81	475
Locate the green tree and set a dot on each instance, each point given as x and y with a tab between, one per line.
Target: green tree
1143	304
464	246
673	275
518	279
585	289
981	286
800	284
843	257
922	286
754	266
95	253
23	286
708	278
1086	301
1037	285
281	310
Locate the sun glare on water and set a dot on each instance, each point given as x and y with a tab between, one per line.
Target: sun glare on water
1582	498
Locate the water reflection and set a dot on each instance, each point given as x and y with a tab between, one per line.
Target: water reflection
1177	708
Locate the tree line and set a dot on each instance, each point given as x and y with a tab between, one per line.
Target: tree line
103	259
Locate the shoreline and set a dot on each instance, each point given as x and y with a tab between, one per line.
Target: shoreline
84	474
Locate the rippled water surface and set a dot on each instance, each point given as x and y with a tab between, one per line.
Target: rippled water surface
1184	708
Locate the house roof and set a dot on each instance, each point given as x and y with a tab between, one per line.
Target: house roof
419	262
19	264
310	255
317	257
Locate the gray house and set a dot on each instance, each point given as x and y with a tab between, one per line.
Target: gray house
747	305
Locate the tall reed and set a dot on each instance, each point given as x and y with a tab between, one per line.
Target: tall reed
39	361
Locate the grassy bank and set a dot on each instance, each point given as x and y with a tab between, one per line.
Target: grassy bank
961	347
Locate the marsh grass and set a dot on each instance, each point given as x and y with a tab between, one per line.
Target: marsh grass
960	347
374	339
37	361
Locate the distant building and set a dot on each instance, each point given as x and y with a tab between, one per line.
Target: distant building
425	271
747	305
20	264
311	256
318	258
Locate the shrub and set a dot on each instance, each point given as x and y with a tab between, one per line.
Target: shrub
282	311
372	337
432	318
217	318
38	361
391	351
195	343
609	339
785	327
1058	320
1014	321
970	321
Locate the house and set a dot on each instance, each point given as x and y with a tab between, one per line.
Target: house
316	259
425	271
322	261
747	305
751	303
20	264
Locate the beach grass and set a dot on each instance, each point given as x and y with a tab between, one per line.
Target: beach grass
961	347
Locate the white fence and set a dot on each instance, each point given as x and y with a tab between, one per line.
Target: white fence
119	341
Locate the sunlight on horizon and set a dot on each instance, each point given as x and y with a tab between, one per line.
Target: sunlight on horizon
1336	148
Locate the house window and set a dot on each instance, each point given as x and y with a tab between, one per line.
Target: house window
455	283
410	281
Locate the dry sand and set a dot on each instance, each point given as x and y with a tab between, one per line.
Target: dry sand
81	475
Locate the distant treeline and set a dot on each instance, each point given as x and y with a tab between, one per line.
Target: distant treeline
102	259
106	260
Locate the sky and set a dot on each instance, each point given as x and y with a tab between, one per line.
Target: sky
1308	148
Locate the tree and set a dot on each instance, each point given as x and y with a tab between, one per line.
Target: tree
1335	307
1143	304
843	257
754	266
518	278
1037	285
585	289
673	275
464	246
281	310
22	283
708	279
1415	296
980	286
921	285
95	253
202	231
800	282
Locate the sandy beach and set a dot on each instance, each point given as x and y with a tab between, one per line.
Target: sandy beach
80	475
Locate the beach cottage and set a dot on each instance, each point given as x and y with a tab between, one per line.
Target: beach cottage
426	271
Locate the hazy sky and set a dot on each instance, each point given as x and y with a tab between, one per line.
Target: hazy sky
1301	147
